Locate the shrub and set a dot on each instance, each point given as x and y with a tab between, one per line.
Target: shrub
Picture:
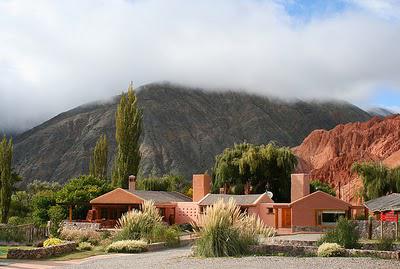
225	231
385	243
52	242
79	236
330	250
167	234
128	246
344	234
56	215
16	220
137	224
85	246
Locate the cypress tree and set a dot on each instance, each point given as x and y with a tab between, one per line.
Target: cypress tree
98	161
128	129
6	152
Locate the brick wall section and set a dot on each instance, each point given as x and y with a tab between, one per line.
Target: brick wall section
44	252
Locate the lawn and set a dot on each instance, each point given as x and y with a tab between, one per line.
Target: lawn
4	250
79	254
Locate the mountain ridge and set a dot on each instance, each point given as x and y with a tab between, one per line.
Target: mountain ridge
184	128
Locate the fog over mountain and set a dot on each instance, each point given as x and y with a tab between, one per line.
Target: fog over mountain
184	128
56	55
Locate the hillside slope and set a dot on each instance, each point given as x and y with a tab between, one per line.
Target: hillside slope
329	155
183	130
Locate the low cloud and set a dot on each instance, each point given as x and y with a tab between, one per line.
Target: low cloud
56	55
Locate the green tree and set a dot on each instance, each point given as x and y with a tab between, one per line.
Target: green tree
378	180
41	202
264	167
6	177
79	191
98	161
317	185
56	215
128	130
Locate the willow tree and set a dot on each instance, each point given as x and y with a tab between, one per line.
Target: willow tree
263	167
128	130
98	161
6	152
378	180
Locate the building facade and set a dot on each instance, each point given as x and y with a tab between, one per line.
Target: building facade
305	213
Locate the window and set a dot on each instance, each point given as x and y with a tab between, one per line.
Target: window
270	211
329	217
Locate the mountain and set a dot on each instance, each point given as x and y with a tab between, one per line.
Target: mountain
183	130
380	112
329	155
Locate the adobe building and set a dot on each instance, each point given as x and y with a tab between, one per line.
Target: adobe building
305	213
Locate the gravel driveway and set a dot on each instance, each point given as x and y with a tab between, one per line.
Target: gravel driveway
179	258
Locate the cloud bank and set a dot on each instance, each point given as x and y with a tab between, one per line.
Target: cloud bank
55	55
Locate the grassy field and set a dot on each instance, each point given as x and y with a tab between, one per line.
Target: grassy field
4	250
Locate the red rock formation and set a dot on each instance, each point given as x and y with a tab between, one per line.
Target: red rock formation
329	155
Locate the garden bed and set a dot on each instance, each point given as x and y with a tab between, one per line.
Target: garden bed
42	252
291	250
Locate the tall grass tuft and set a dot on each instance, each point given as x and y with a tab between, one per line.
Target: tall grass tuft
225	231
147	225
138	224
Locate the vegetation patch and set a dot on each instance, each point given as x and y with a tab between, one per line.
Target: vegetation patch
85	246
225	231
330	250
147	225
128	246
52	242
344	234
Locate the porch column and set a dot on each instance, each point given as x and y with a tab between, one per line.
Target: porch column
276	215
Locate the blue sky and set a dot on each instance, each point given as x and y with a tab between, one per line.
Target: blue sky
56	55
307	9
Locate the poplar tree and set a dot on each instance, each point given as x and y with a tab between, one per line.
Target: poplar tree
98	161
128	129
6	152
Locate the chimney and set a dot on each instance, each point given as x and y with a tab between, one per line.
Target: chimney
300	186
201	186
132	183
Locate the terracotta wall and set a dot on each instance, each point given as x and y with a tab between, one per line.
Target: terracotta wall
262	211
303	211
201	186
186	212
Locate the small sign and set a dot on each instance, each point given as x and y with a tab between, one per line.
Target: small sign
389	216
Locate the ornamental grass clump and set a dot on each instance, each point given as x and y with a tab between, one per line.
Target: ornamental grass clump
77	235
128	246
137	224
330	250
225	231
147	225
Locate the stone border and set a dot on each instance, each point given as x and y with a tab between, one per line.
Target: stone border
43	252
290	250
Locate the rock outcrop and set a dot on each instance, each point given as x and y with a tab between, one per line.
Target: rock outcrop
329	155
